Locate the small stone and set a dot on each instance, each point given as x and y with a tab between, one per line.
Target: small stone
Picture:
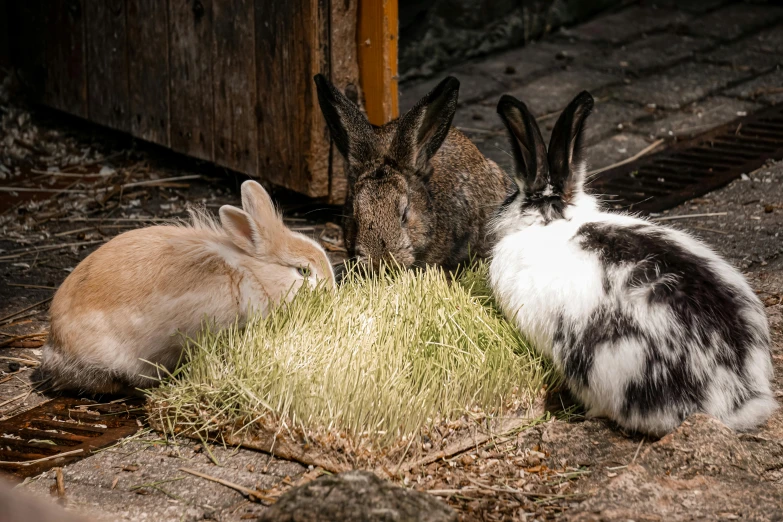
466	460
14	366
769	209
355	496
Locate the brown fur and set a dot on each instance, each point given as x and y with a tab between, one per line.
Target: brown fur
131	300
419	191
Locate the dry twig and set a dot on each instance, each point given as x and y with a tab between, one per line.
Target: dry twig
11	316
654	145
60	482
251	494
36	461
688	216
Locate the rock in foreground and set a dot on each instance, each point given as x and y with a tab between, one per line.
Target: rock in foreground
356	496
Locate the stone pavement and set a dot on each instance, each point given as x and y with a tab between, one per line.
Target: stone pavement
667	71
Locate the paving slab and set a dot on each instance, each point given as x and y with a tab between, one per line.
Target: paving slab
696	118
628	23
495	74
614	149
552	93
680	85
732	21
473	87
757	52
610	117
518	64
141	479
690	6
650	52
767	88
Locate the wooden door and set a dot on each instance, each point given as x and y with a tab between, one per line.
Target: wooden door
228	81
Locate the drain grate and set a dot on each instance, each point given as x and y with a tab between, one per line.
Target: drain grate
63	430
694	167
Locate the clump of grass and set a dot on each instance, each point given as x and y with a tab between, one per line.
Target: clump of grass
380	359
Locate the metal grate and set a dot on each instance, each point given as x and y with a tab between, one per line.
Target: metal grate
694	167
31	441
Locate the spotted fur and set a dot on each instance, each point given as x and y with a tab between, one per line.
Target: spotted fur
419	191
647	324
126	307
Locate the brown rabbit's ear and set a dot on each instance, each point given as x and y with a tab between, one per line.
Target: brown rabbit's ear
422	130
532	166
566	158
241	228
351	131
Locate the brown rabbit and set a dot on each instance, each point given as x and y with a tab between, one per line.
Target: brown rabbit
419	191
123	306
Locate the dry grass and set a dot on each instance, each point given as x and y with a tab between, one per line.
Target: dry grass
379	360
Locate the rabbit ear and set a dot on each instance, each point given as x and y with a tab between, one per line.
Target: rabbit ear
566	158
349	128
241	228
527	144
421	131
257	203
268	221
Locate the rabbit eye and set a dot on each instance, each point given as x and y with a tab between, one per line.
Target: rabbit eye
304	271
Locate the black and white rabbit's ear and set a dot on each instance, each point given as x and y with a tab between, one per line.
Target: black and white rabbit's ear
566	156
351	131
532	166
422	130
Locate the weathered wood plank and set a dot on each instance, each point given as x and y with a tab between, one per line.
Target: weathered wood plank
5	40
234	71
107	63
28	46
344	69
378	23
190	71
148	69
293	147
66	62
48	45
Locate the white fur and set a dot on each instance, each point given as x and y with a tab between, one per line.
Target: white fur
539	273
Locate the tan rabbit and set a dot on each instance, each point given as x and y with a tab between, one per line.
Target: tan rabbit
127	302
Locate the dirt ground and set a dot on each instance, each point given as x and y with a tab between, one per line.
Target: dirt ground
91	184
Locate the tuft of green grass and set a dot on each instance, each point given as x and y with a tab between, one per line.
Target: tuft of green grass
379	359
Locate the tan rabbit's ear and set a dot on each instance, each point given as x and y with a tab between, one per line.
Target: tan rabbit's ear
241	228
257	203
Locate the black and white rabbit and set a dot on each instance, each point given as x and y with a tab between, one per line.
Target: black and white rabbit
646	323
